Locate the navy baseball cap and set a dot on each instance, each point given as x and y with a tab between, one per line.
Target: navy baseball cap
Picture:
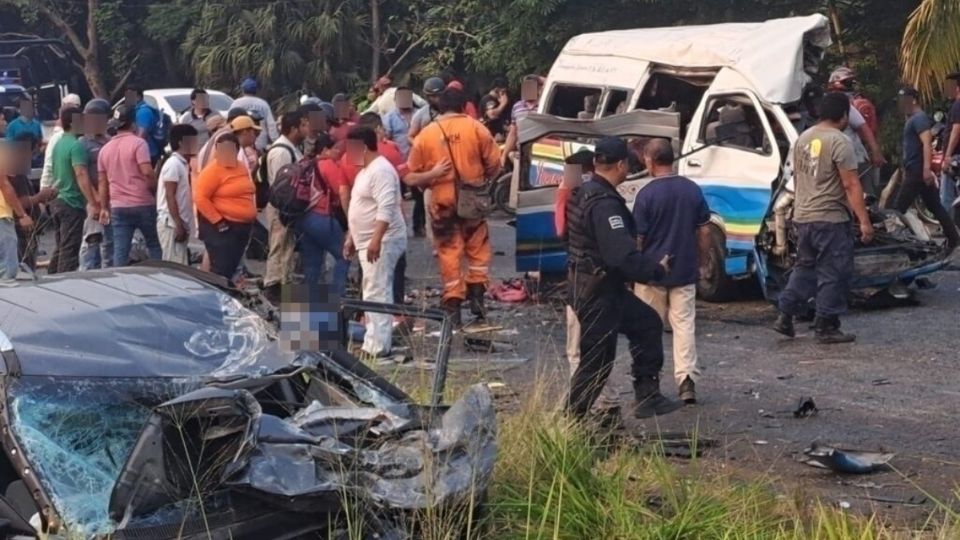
908	91
249	86
610	150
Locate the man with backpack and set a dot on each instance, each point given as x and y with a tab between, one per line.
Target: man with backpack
152	125
285	151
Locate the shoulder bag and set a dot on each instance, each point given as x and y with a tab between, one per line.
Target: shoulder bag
474	199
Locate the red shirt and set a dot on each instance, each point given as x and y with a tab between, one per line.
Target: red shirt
387	149
333	174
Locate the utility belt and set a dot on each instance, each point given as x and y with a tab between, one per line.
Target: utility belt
586	280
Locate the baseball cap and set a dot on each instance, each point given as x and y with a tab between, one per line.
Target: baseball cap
241	123
327	108
908	91
249	86
610	150
842	73
97	106
124	115
433	86
455	85
71	100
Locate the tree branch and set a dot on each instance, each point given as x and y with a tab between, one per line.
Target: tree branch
126	76
62	24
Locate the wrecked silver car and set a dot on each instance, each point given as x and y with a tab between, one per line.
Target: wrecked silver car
152	403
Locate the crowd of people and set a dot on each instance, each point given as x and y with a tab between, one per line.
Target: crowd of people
110	174
124	175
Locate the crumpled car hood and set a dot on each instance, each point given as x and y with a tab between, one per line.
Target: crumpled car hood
145	403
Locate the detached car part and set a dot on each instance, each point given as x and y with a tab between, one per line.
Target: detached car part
149	402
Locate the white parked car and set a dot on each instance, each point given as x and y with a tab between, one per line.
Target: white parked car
174	101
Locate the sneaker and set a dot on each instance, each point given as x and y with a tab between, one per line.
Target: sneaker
655	405
784	326
688	392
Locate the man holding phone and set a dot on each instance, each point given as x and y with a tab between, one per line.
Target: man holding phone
603	256
673	218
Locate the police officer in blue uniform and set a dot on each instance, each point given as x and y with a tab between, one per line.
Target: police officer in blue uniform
603	257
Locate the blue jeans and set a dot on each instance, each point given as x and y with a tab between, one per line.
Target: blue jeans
948	192
823	269
9	262
124	221
98	253
318	235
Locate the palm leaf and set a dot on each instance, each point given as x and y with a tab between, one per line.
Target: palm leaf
931	45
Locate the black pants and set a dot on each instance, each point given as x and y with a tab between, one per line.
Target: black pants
605	313
399	279
68	235
823	269
419	210
225	249
912	187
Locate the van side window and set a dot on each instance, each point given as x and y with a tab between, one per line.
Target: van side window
743	125
568	101
616	102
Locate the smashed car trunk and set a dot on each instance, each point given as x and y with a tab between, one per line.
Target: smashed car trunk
145	403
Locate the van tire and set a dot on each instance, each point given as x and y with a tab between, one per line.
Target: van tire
715	285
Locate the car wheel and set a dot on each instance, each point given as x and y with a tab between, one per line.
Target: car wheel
714	284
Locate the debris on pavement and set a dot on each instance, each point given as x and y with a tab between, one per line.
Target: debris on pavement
806	408
509	291
845	461
675	444
912	500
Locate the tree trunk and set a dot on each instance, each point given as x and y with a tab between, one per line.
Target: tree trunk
377	41
91	72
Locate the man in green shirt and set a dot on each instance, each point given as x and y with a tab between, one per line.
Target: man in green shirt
76	199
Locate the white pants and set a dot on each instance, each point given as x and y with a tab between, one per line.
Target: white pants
378	287
679	304
173	251
573	340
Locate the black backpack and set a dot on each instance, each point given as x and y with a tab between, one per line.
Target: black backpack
262	178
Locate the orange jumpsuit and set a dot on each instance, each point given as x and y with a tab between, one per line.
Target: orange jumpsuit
475	155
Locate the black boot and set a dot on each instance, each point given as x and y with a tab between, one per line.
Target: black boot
452	308
475	294
828	331
784	325
650	402
688	391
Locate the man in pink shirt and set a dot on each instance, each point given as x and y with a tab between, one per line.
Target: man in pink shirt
127	184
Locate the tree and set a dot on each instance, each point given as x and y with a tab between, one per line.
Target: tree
931	44
287	46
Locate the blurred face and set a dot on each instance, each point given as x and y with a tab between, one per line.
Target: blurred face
26	109
356	152
130	97
530	90
227	153
79	124
3	123
315	124
15	157
248	137
201	102
95	123
341	110
404	99
189	146
905	104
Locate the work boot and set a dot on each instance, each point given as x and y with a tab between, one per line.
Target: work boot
828	331
452	309
784	325
475	294
688	392
650	402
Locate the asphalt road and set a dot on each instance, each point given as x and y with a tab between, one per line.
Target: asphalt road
895	389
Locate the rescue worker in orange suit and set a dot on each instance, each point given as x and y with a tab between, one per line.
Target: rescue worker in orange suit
456	148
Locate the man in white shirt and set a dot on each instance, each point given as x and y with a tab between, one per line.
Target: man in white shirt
175	218
46	173
285	151
377	232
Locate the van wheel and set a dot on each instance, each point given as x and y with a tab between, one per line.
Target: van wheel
715	285
501	194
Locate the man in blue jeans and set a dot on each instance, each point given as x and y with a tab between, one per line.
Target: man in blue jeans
827	190
126	187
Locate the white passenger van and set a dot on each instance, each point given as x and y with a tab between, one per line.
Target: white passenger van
747	76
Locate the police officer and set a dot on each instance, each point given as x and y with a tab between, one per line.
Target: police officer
603	256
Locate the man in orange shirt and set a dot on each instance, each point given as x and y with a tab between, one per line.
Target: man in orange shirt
456	148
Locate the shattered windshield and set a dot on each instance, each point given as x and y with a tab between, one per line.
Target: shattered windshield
78	433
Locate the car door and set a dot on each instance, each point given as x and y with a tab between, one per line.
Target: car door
545	142
736	174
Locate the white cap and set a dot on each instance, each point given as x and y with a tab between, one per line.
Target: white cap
71	100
